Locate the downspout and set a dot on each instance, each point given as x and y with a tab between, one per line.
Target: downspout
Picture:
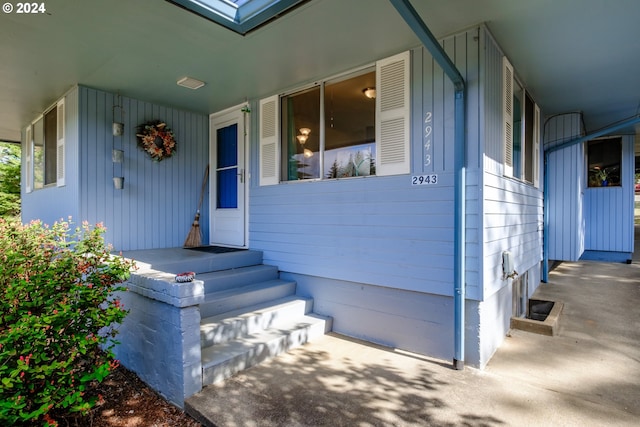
602	132
418	26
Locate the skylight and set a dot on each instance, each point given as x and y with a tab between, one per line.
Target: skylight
241	16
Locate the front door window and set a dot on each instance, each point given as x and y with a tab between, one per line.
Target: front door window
227	167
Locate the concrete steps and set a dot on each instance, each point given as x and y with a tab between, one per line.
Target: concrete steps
248	316
219	302
223	360
247	321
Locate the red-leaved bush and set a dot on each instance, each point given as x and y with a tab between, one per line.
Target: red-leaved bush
58	310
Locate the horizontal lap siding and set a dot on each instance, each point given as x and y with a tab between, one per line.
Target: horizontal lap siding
513	222
376	230
512	210
157	205
381	230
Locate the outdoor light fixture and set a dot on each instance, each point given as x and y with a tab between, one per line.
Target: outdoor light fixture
369	92
190	82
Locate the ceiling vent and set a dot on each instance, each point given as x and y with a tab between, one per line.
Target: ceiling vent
191	83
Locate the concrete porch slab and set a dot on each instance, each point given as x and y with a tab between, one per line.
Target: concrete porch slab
588	374
178	260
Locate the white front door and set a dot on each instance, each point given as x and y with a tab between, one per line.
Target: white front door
228	134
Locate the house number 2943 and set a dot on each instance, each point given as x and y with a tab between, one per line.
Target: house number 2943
424	179
428	130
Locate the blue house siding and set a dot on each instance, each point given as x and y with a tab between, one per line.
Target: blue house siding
609	211
566	178
511	213
360	230
582	218
376	230
512	210
52	203
156	207
375	252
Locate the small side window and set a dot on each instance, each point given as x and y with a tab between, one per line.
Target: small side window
604	158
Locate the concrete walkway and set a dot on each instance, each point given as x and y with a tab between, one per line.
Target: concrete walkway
586	375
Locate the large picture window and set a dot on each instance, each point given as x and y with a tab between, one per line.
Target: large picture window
328	131
354	125
604	157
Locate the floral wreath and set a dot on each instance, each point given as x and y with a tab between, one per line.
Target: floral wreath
157	140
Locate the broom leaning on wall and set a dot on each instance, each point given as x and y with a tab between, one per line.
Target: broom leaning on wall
194	238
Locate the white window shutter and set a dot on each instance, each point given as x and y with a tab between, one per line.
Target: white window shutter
536	145
269	140
60	130
393	136
28	173
507	111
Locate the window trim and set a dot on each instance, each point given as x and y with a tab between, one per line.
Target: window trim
404	113
612	139
60	151
507	128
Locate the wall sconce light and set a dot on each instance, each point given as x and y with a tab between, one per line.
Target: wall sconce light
369	92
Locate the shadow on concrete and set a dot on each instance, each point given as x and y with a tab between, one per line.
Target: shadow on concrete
335	382
588	374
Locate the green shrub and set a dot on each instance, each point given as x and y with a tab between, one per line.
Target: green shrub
57	316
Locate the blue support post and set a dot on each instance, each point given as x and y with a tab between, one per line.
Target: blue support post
418	26
459	276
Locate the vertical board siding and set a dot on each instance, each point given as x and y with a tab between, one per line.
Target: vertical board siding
609	211
565	169
52	203
381	230
512	210
157	205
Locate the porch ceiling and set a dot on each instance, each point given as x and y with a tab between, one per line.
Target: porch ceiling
572	54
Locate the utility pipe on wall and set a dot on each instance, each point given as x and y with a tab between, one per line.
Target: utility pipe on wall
418	26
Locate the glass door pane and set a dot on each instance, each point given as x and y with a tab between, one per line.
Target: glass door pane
227	167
